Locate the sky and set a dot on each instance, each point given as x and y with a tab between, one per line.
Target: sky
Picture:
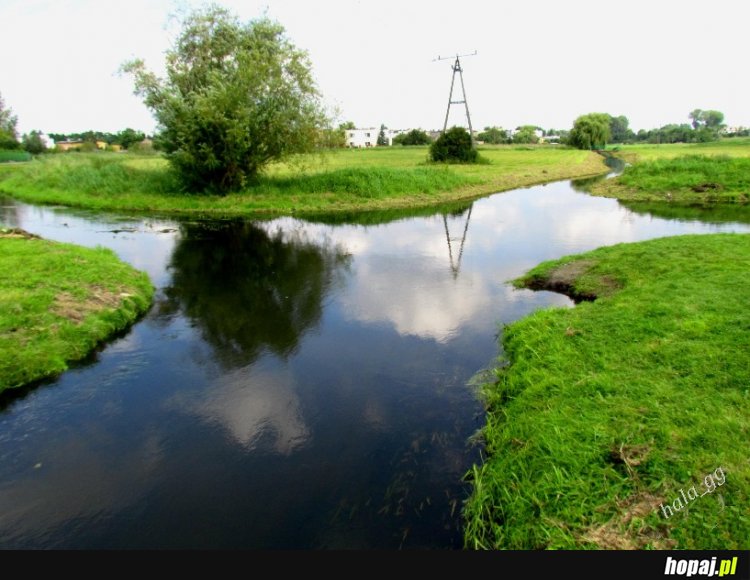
538	62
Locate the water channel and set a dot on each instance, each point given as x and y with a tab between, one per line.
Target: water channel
296	384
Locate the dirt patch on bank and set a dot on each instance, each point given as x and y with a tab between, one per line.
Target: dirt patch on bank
18	233
622	533
68	306
563	278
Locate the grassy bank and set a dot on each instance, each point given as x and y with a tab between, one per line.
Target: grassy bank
691	179
649	151
695	173
606	411
57	302
340	181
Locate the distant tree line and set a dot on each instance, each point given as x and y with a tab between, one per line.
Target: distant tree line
595	130
125	138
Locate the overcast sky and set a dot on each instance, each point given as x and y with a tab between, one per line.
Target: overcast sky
539	62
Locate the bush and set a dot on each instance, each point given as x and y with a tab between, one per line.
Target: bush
15	155
413	137
454	146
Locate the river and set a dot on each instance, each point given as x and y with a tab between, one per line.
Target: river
296	384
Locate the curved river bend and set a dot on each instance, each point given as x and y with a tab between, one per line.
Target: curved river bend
296	384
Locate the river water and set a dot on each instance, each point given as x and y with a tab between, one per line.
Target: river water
296	384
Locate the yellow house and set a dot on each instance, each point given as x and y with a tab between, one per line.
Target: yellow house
69	145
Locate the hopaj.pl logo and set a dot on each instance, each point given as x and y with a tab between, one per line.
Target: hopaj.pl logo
700	567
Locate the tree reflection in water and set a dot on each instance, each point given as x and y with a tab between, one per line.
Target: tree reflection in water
248	289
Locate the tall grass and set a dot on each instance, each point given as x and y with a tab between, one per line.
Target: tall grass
600	414
341	181
14	155
690	178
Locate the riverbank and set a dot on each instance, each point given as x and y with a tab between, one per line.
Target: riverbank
700	173
58	302
605	420
339	181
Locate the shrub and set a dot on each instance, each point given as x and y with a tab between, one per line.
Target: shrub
454	146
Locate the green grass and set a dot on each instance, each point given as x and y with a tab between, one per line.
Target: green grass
689	179
339	181
57	302
16	155
600	413
739	147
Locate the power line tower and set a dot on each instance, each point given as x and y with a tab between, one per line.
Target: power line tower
457	69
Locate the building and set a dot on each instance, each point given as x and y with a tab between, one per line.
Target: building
363	138
69	145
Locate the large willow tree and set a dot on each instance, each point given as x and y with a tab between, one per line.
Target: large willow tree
590	131
236	97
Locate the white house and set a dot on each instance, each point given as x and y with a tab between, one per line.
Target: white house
369	137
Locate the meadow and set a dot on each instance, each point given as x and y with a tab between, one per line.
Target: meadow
599	415
696	173
58	302
336	181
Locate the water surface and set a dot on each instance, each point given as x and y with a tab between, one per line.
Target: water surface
296	384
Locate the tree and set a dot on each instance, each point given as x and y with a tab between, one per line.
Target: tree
454	146
33	143
129	137
710	119
236	97
526	134
695	116
590	131
618	127
382	139
413	137
347	125
493	135
8	133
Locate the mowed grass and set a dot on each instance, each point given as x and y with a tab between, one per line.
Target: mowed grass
696	173
600	414
338	181
739	147
57	302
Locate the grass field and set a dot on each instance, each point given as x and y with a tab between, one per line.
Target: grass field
14	156
700	173
600	414
57	302
739	147
339	181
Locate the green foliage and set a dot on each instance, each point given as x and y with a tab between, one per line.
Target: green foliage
454	146
343	180
236	97
382	139
8	132
33	143
332	138
600	413
709	119
57	302
590	131
494	136
413	137
347	125
688	179
618	127
14	155
128	137
526	135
